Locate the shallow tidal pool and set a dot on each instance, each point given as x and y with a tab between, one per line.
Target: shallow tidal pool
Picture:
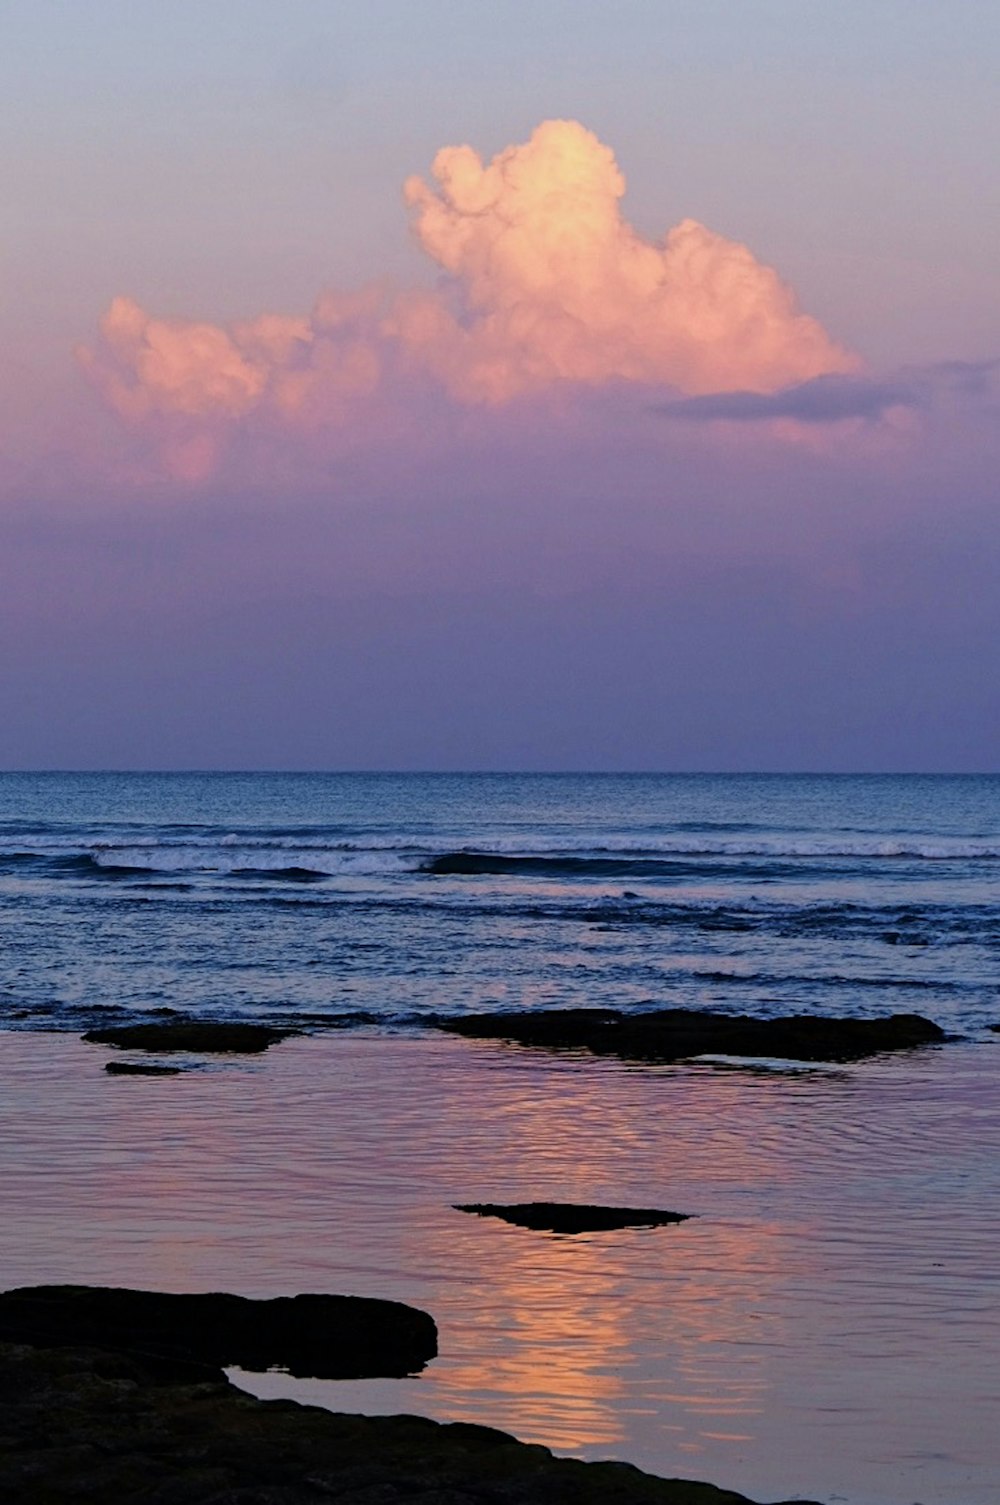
826	1325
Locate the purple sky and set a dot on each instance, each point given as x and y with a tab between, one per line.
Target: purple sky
298	472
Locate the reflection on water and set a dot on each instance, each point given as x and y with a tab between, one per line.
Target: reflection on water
825	1326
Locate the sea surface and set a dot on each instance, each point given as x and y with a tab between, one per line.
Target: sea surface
377	900
826	1325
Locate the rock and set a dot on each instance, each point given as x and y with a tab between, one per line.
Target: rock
572	1217
678	1034
140	1068
327	1337
82	1427
202	1035
475	864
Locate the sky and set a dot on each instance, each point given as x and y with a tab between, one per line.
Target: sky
550	385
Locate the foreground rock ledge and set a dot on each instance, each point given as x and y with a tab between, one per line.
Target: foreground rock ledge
325	1337
679	1034
86	1427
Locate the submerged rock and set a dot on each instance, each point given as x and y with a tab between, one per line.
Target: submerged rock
678	1034
87	1426
572	1217
141	1068
202	1035
326	1337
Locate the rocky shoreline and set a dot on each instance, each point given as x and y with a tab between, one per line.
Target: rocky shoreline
87	1426
657	1035
666	1035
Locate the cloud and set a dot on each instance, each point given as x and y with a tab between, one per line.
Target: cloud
824	399
965	380
191	381
545	286
941	387
191	387
555	286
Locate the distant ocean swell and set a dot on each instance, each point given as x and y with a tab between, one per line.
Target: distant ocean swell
301	860
387	899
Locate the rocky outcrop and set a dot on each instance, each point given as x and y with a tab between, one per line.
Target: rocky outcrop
141	1068
679	1034
572	1217
329	1337
201	1035
86	1427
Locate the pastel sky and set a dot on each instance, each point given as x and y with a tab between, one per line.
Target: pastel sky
531	385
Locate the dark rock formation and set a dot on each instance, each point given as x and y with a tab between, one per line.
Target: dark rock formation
678	1034
572	1217
86	1428
202	1035
329	1337
141	1068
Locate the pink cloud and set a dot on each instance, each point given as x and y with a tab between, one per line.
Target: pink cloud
548	287
558	287
146	366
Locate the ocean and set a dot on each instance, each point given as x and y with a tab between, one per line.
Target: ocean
377	900
826	1325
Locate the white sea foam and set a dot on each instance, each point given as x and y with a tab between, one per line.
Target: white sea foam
373	855
255	858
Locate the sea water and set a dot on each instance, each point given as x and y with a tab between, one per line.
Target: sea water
377	900
826	1323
